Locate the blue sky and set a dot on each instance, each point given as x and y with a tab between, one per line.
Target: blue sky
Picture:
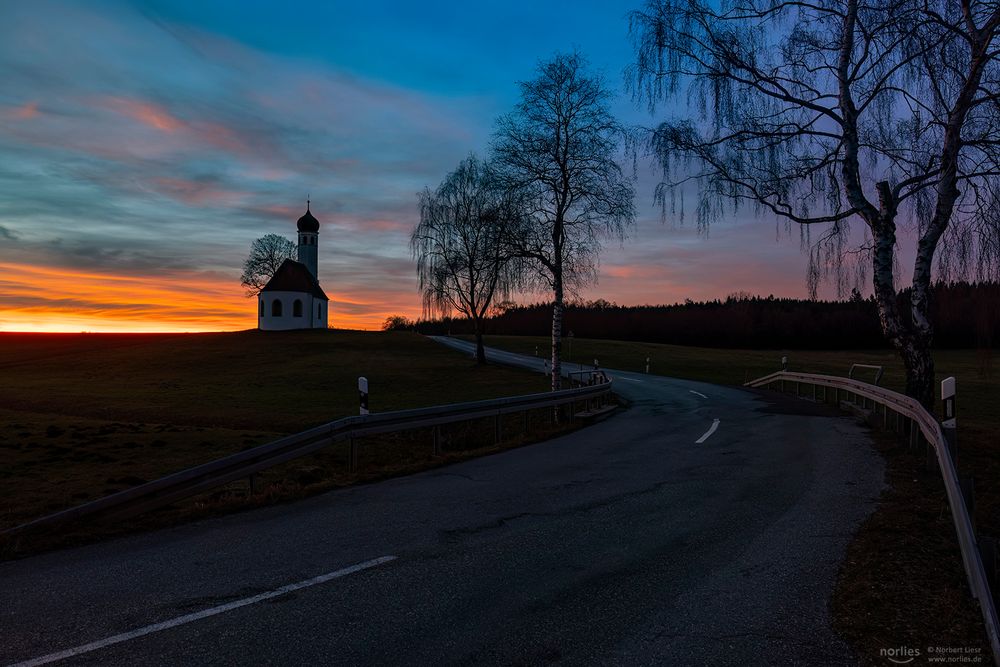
146	144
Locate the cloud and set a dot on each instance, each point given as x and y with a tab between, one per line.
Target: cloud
165	148
26	111
147	113
143	154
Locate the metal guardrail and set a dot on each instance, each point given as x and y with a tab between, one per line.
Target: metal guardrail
930	428
588	378
220	472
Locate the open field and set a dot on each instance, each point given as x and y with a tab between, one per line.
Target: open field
902	581
82	416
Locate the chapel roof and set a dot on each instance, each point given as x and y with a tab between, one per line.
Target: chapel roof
293	276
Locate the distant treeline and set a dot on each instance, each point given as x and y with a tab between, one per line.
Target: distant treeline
965	315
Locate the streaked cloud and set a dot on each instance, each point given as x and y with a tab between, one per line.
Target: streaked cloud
147	144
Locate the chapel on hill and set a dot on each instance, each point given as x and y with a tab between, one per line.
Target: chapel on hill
292	298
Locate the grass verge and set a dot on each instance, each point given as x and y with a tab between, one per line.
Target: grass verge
84	416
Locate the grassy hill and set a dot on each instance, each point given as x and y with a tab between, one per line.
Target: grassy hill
85	415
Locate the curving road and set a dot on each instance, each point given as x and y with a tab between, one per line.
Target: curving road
703	525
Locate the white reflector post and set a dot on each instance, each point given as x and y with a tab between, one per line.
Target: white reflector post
948	398
363	394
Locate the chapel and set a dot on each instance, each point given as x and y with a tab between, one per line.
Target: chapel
293	298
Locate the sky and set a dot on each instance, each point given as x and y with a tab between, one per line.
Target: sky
146	144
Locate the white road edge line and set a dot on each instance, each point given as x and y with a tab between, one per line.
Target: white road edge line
698	393
205	613
708	433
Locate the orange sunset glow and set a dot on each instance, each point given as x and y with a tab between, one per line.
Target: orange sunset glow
77	301
134	182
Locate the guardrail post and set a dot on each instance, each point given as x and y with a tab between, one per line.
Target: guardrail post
526	422
967	483
437	440
988	554
352	463
931	462
948	425
496	429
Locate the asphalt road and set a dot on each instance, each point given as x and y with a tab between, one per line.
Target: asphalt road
628	542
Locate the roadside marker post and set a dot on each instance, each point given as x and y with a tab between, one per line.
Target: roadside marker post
363	394
948	424
352	459
949	428
647	365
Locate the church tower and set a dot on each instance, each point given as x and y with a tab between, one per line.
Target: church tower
308	238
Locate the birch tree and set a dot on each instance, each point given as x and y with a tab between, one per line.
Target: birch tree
558	150
833	113
463	261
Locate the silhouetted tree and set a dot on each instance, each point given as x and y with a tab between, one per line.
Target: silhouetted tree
266	255
463	262
828	112
558	151
965	315
397	323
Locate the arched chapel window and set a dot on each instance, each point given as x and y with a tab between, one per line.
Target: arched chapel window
297	308
276	308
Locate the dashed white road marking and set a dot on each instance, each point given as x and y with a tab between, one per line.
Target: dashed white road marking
205	613
708	433
619	377
698	393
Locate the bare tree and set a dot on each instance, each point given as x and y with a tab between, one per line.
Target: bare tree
833	111
558	150
463	262
397	323
266	255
